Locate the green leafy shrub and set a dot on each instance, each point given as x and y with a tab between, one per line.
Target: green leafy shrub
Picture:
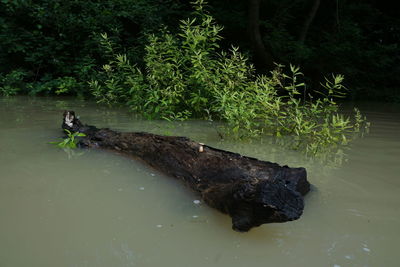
12	82
187	76
71	141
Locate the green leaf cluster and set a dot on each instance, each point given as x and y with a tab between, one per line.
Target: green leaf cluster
70	141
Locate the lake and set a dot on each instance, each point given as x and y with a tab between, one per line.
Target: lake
86	208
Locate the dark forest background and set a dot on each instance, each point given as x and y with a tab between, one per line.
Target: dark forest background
52	46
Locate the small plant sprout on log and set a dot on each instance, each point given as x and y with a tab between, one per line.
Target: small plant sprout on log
71	140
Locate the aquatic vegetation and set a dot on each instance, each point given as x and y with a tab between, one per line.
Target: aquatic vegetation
187	76
70	141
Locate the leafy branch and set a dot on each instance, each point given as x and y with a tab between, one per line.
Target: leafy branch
71	141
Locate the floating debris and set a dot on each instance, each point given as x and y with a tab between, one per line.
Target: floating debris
141	188
196	201
159	225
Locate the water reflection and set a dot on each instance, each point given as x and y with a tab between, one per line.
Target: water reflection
73	153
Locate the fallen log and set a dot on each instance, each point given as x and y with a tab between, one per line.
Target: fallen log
251	191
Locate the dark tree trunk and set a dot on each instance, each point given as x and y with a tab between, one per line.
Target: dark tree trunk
262	56
251	191
308	21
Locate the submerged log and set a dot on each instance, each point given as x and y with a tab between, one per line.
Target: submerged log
251	191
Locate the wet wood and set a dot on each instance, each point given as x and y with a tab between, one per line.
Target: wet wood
251	191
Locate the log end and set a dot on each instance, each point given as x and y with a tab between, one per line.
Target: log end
256	202
296	179
71	123
271	202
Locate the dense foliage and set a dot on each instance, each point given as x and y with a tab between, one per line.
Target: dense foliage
187	75
359	39
51	46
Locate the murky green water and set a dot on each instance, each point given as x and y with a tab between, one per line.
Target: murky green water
96	208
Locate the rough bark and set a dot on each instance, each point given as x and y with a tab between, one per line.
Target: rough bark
262	56
251	191
308	21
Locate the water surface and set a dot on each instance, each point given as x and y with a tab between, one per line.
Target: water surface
96	208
